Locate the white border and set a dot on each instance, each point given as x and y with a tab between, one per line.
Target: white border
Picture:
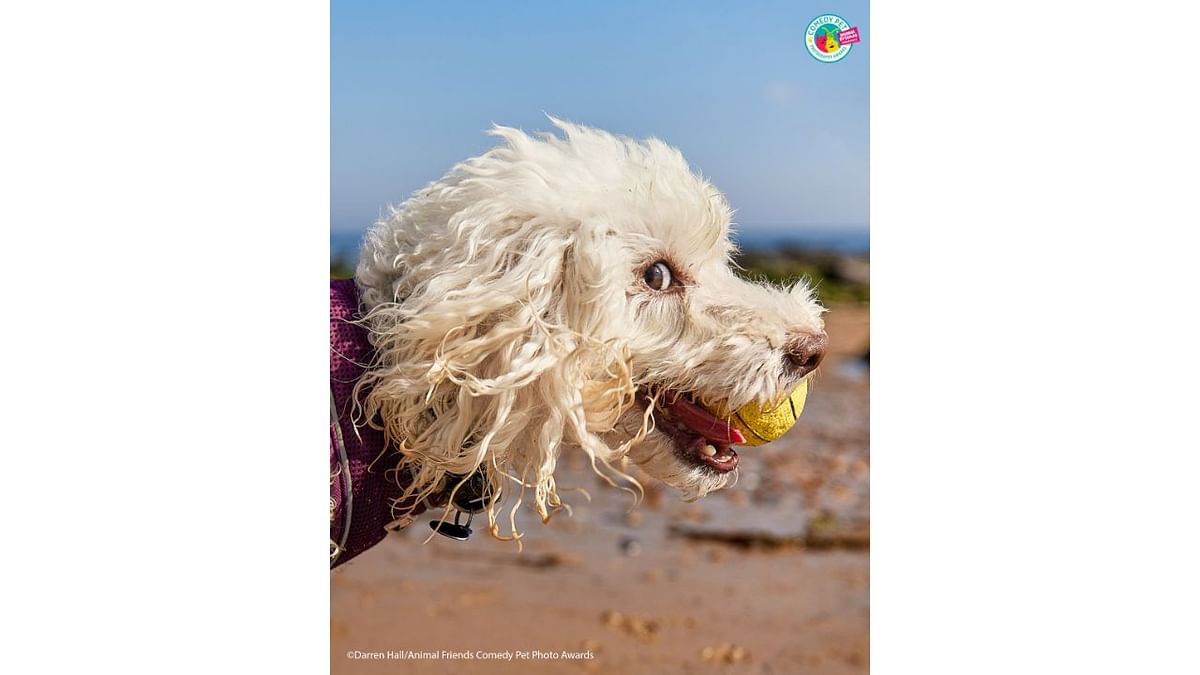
166	173
1034	350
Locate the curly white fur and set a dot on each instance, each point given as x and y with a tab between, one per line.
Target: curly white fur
507	306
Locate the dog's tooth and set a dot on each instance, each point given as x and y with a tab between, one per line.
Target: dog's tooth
710	450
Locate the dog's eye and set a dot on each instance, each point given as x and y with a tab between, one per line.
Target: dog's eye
658	276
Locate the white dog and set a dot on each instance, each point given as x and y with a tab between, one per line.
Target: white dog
569	295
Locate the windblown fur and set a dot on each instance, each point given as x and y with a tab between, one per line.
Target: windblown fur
511	323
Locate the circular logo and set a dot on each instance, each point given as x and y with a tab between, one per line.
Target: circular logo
823	38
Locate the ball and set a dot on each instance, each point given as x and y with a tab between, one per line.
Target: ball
761	426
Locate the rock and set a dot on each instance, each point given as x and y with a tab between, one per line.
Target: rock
643	629
630	547
725	653
781	523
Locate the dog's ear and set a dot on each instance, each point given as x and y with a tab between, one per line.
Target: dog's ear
495	352
595	305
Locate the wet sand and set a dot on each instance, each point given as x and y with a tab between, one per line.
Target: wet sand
770	576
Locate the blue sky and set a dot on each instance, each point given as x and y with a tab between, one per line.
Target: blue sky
415	85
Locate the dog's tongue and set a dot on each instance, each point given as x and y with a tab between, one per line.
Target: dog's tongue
700	421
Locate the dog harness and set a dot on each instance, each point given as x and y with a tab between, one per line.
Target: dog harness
364	490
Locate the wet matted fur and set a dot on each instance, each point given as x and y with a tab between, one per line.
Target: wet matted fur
512	322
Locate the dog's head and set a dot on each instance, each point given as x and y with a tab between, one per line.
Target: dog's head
571	293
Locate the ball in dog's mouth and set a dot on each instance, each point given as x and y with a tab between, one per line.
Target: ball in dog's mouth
700	438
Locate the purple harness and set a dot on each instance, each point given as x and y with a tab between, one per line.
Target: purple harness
363	496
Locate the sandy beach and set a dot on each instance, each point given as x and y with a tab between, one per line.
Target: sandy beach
770	576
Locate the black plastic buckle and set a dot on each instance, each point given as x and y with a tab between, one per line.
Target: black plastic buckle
471	498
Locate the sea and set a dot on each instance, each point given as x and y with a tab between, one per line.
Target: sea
344	244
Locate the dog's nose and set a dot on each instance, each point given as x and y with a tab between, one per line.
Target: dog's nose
804	353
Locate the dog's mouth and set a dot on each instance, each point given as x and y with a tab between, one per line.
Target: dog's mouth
700	438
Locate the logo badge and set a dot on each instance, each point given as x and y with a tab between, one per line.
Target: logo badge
829	38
